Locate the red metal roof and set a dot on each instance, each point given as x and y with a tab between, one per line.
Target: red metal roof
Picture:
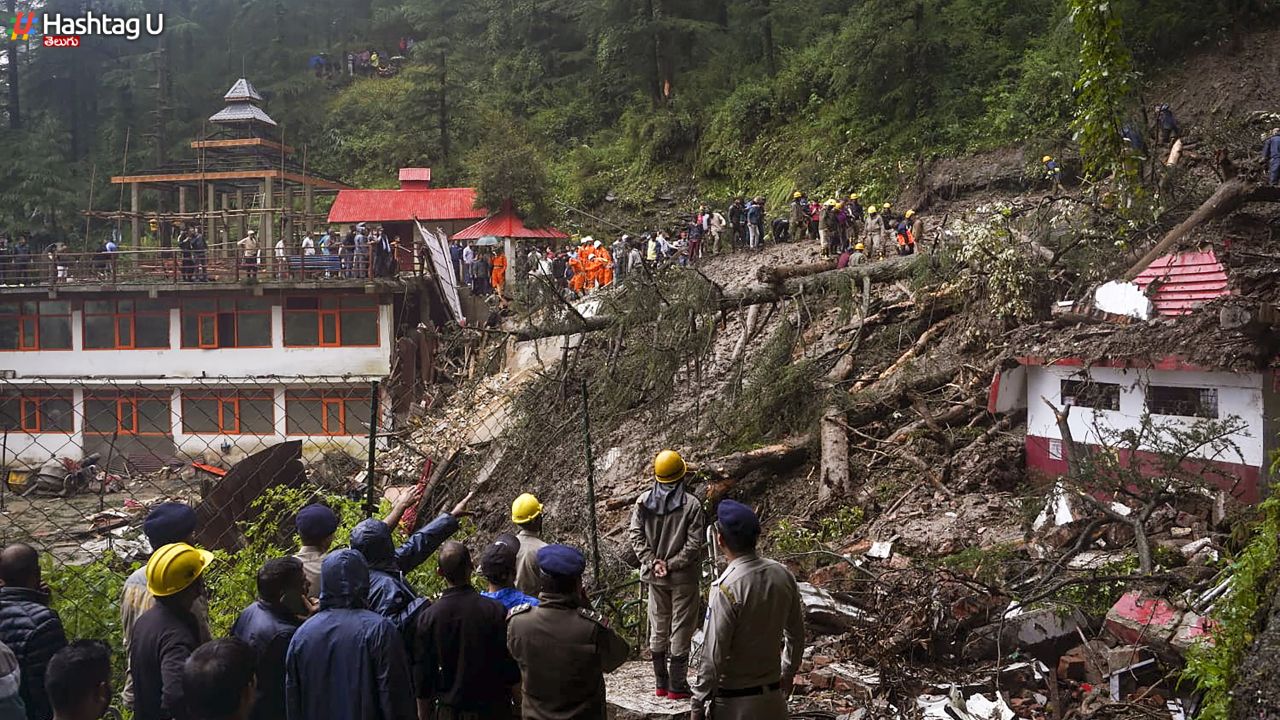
400	205
1185	281
506	224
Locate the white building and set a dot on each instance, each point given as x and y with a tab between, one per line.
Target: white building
1112	396
147	374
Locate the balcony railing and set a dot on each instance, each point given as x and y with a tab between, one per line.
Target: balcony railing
173	266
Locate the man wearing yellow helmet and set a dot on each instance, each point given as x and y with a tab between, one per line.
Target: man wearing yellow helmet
165	636
526	513
857	218
1052	172
667	534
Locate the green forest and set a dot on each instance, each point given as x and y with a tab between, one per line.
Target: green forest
587	98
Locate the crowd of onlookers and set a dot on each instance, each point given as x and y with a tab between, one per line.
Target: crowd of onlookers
333	633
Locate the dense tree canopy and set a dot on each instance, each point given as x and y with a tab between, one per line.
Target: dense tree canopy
622	96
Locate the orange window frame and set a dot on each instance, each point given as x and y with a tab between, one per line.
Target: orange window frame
335	318
34	321
122	318
210	340
327	400
223	401
127	415
36	403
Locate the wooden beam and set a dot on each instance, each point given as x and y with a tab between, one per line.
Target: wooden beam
242	142
231	175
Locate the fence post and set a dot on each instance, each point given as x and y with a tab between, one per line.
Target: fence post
4	466
370	505
591	483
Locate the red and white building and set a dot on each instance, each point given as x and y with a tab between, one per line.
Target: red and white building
1111	394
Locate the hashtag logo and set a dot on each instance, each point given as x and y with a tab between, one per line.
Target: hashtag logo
22	30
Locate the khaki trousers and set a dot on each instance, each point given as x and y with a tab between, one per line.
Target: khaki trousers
673	616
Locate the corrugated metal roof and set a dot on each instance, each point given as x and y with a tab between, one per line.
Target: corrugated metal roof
392	205
241	112
506	224
1185	281
242	90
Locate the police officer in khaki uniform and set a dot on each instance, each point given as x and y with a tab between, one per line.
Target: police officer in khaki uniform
667	534
753	613
526	513
562	646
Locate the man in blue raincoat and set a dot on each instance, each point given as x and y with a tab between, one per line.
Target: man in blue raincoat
347	662
390	595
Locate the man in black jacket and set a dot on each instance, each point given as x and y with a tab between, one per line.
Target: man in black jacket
268	625
462	668
28	625
166	635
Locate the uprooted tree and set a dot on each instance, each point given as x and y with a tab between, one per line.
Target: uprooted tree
1125	475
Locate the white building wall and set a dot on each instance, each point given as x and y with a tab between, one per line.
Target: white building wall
193	362
1239	394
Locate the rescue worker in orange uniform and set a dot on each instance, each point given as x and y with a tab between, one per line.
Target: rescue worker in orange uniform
499	274
579	278
606	264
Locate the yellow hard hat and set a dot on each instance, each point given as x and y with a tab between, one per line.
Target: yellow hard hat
909	213
797	194
853	196
839	205
669	467
859	246
174	567
885	206
830	202
525	508
1046	158
871	210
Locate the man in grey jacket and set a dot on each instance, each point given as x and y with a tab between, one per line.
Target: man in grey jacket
667	535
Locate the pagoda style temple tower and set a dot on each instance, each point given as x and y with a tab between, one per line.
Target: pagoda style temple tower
242	177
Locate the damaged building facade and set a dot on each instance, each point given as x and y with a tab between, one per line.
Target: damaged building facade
1111	389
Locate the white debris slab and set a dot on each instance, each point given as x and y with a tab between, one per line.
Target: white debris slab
629	695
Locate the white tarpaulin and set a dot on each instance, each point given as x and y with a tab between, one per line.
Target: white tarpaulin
438	246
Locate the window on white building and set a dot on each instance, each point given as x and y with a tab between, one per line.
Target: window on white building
42	325
126	324
249	412
127	414
1182	401
315	321
210	323
329	412
37	412
1090	394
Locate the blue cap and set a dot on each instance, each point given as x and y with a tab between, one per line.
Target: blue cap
561	561
316	522
168	523
737	520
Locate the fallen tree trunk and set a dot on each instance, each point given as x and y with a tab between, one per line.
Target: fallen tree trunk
1229	196
725	472
911	353
773	275
895	268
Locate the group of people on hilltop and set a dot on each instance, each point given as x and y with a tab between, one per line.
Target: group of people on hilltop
340	633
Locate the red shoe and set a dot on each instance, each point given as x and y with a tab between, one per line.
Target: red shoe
677	695
660	692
